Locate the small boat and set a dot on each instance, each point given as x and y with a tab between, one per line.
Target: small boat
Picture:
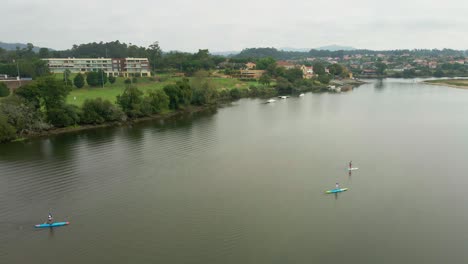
283	97
301	95
271	101
56	224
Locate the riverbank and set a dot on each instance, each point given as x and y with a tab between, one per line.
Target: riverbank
455	83
229	90
165	116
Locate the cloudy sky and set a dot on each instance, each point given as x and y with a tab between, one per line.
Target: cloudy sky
222	25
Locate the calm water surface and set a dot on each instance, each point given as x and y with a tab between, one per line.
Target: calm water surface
246	184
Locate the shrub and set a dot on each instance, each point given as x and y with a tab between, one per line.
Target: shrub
205	93
7	131
128	81
157	100
4	91
235	93
64	116
112	79
131	102
98	111
92	79
174	94
79	80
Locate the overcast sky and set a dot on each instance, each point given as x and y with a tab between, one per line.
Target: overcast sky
221	25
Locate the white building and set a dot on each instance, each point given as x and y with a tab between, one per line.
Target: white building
125	67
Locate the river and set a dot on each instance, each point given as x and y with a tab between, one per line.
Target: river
246	184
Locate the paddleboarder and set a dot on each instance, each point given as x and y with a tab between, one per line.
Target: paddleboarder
337	186
350	164
50	219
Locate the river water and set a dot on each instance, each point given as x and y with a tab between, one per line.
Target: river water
246	184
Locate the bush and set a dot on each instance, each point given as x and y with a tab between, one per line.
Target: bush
204	92
4	91
22	115
98	111
64	116
79	80
134	80
131	101
174	94
157	100
112	79
324	78
128	81
225	95
235	93
92	79
7	131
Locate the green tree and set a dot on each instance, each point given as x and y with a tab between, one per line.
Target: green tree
92	79
101	77
7	131
30	92
52	92
335	69
98	111
154	54
4	91
264	63
174	94
63	115
22	115
265	79
283	86
293	74
319	68
66	77
324	78
44	53
235	93
131	102
79	80
112	79
157	100
439	73
185	91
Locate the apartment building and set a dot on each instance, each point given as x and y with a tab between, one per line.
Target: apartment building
124	67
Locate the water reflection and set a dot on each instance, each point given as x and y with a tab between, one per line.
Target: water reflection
379	85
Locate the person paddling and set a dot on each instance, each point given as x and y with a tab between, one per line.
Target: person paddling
337	186
350	164
50	219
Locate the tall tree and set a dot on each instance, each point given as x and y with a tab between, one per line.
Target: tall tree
155	54
44	53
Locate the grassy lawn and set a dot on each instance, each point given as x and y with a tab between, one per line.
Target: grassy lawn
110	91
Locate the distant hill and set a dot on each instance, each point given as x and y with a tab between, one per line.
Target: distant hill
295	49
225	53
335	48
12	46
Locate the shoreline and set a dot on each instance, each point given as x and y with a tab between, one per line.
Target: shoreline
188	110
429	82
65	130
